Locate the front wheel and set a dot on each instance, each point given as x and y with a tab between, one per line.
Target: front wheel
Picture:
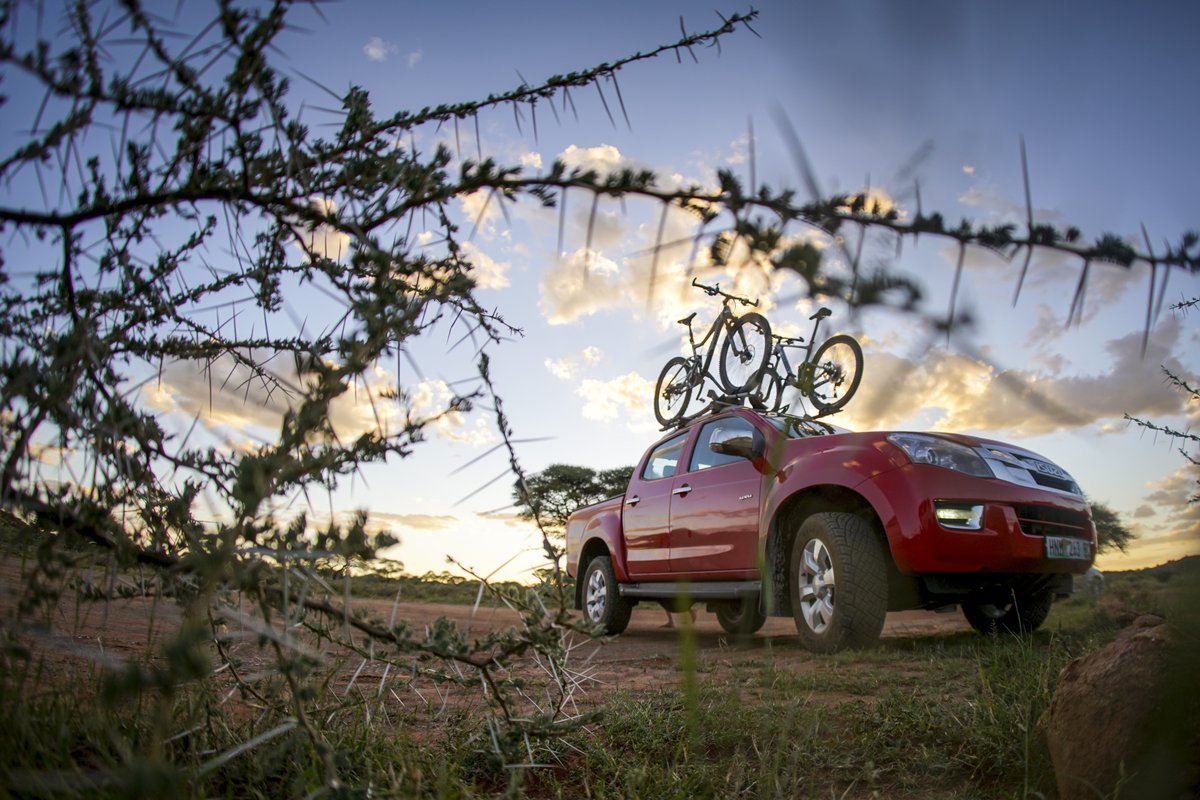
602	601
838	582
837	371
673	391
1010	611
740	617
744	353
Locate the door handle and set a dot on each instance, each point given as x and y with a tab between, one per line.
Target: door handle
633	501
682	490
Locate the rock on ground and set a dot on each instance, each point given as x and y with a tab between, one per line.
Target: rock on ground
1106	731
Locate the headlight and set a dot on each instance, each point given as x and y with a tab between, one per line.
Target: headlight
938	452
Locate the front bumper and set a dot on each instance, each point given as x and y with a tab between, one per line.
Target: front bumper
1022	527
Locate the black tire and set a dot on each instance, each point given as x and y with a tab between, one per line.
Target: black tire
769	391
740	617
838	582
673	391
602	601
1010	611
838	371
744	353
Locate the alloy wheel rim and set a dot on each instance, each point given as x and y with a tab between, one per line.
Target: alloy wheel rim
817	582
596	590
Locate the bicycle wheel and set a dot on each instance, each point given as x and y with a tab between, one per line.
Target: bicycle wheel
744	353
673	391
837	371
768	391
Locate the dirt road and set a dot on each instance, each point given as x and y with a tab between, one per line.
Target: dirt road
647	655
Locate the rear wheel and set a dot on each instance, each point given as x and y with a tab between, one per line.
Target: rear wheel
744	353
740	617
602	601
838	365
1009	611
673	391
769	391
838	582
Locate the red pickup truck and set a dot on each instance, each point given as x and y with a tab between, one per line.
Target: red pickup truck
760	515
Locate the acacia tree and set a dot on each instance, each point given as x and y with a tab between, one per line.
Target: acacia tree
1111	532
553	494
168	202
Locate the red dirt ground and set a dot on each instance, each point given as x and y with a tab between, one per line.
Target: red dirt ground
647	655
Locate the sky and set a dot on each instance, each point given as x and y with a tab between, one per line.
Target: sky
884	95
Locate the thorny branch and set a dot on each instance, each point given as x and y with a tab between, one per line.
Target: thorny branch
165	209
168	205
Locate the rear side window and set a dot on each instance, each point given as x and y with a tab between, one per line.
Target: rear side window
664	459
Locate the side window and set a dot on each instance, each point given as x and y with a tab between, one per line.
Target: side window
665	459
703	457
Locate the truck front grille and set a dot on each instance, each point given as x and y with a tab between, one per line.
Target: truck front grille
1046	474
1050	521
1022	467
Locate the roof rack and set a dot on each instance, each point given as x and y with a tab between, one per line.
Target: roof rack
722	402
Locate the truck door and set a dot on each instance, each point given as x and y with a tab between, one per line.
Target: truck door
646	515
715	508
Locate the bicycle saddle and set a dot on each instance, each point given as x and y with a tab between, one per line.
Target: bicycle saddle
688	319
822	314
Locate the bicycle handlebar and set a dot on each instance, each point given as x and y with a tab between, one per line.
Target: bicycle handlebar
713	291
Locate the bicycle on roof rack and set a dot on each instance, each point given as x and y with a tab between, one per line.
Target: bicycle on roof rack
744	353
827	378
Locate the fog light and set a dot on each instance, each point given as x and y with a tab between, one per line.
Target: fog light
959	517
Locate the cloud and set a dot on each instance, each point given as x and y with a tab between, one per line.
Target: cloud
639	262
960	392
739	150
988	197
625	397
603	158
500	547
482	212
580	285
414	58
432	399
376	49
323	241
227	395
569	367
50	455
422	522
1144	553
487	272
1170	498
652	277
531	160
1105	283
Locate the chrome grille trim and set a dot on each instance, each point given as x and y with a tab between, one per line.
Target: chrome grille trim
1028	469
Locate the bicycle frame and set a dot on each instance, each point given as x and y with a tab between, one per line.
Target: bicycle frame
700	367
801	378
724	321
683	374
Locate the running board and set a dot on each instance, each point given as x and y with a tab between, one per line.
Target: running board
698	590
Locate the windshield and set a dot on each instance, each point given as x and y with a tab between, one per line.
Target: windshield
801	427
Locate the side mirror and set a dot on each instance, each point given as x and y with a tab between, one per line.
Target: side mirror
738	442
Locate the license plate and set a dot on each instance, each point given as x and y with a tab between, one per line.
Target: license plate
1062	547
